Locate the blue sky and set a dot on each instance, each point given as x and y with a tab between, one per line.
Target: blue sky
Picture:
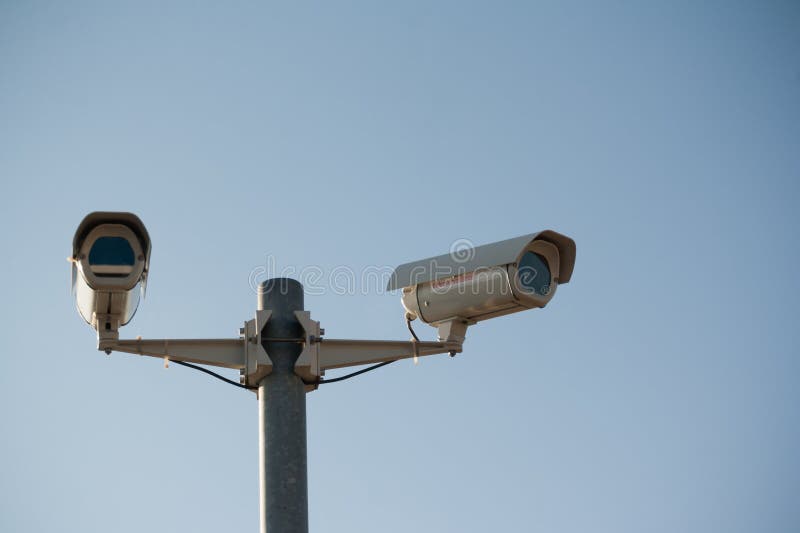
657	392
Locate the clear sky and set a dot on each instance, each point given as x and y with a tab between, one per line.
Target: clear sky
659	390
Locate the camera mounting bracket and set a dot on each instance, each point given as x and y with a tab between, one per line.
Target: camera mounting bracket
319	354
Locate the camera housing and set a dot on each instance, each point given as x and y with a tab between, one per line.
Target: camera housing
474	284
110	262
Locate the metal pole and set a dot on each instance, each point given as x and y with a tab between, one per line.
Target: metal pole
283	474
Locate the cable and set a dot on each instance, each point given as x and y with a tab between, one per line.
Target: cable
369	368
214	374
247	387
408	324
353	374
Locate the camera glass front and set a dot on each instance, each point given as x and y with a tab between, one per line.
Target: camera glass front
111	256
534	274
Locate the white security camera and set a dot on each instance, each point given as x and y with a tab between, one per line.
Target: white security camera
473	284
110	261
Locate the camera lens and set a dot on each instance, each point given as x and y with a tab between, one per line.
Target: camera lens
111	256
534	274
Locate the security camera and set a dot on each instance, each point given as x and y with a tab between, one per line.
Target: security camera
110	261
473	284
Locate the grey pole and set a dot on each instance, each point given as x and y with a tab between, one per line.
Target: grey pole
283	475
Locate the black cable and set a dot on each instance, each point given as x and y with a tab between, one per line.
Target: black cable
373	367
214	374
247	387
353	374
408	324
369	368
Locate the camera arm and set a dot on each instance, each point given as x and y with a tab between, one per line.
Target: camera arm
319	354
